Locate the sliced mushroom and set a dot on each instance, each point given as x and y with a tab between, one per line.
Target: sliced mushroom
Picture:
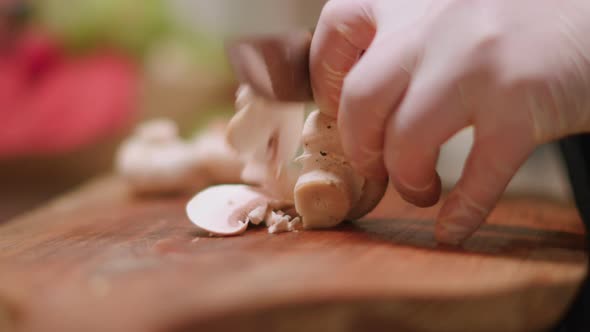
280	222
266	135
224	209
258	215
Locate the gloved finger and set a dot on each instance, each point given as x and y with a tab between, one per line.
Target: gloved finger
431	112
371	92
487	172
344	30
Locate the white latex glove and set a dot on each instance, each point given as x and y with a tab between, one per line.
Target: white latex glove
518	71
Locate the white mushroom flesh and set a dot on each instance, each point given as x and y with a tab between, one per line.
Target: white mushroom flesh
328	187
324	188
214	156
257	215
156	160
225	209
266	135
279	222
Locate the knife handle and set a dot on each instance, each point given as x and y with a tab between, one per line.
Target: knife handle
275	66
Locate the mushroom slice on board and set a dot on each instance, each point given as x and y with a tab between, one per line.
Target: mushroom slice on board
225	209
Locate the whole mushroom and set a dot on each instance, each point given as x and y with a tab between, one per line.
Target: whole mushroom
156	160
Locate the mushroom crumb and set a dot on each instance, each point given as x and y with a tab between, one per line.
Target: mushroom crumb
279	222
257	215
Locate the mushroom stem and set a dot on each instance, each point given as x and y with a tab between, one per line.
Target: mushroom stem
329	190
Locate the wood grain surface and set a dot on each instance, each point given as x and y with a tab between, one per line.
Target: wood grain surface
100	260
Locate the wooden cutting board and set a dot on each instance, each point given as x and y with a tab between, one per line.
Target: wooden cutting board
101	260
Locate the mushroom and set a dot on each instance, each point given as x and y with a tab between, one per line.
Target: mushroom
155	160
214	158
324	191
266	135
227	209
329	190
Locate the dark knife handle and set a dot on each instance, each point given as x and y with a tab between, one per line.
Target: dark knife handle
275	66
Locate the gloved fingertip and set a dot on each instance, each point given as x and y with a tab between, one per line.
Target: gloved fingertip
372	171
451	234
458	219
369	167
426	196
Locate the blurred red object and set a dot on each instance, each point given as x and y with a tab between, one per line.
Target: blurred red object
53	103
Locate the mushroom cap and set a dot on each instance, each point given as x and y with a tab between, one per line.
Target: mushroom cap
224	209
159	168
217	160
155	160
160	130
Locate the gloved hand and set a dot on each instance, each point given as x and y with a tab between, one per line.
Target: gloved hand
518	71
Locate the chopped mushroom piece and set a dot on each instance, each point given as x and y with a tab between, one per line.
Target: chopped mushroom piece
295	224
280	227
279	222
257	215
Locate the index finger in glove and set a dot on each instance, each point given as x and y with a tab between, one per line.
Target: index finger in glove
345	29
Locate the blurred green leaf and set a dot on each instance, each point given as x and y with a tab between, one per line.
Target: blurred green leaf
130	25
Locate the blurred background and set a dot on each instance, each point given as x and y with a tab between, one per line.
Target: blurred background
77	76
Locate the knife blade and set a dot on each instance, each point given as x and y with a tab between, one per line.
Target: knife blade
276	67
